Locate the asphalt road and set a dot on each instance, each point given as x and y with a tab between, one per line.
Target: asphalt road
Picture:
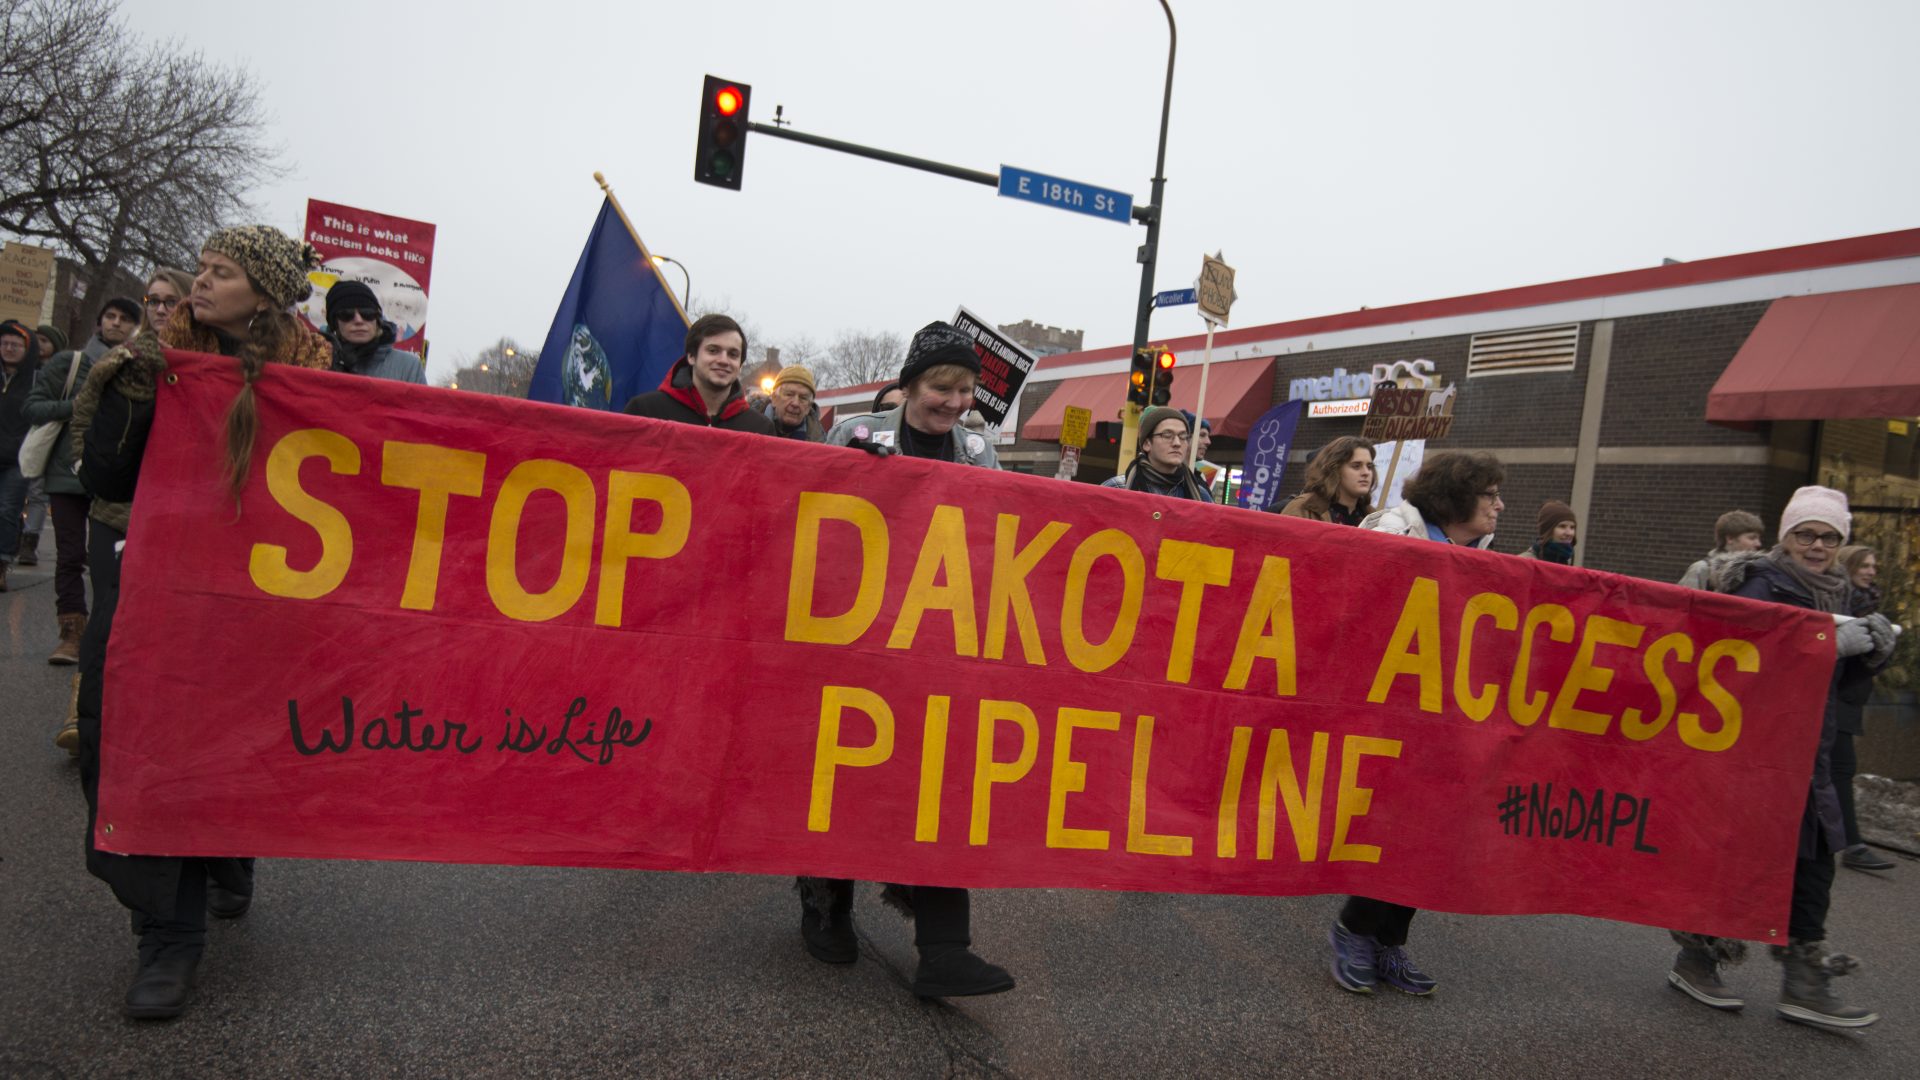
387	969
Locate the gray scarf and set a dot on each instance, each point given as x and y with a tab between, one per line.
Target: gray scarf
1829	590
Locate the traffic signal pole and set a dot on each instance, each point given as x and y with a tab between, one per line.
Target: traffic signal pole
1150	251
958	172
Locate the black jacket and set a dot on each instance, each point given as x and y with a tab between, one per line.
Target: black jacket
679	402
18	383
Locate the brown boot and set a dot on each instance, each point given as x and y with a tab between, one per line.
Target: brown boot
69	737
68	651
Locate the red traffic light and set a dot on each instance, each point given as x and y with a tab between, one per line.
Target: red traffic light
727	101
1166	360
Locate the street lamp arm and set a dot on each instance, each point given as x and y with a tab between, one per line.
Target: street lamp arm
685	276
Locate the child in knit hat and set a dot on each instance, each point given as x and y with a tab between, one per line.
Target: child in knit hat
1558	529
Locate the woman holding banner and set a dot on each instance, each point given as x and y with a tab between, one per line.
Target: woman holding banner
937	380
1453	499
1802	571
250	277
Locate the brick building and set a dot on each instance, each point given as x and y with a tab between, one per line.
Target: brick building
1594	391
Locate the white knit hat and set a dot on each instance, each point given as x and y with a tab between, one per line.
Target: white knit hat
1821	504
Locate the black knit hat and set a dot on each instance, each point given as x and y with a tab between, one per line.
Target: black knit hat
938	343
349	294
127	306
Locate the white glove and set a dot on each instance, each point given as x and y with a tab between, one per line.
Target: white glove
1884	638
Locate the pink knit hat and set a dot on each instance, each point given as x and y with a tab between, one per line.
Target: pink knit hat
1821	504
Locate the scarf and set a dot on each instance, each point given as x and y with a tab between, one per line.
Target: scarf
1829	590
303	348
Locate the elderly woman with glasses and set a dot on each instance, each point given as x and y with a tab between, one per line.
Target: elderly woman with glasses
1801	571
1160	466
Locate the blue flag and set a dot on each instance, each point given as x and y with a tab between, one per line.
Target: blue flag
618	329
1268	443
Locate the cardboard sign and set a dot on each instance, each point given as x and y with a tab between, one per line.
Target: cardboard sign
26	272
1073	426
1215	287
1404	415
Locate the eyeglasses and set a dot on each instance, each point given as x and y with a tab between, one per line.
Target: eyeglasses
1808	538
364	314
161	301
1171	437
1494	495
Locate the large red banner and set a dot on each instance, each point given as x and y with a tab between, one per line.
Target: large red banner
451	627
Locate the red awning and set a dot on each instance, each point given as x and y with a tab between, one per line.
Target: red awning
1838	356
1238	391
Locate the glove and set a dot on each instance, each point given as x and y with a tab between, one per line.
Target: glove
863	440
1854	639
1884	639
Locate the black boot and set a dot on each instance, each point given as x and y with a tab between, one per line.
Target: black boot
226	904
943	933
826	919
164	982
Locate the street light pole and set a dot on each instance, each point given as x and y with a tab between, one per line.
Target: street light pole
1149	251
658	259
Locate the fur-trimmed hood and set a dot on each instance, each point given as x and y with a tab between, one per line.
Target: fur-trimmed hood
1728	570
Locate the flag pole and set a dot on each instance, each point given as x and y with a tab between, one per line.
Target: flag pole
601	179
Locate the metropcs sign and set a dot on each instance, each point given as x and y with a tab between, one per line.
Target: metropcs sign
1345	393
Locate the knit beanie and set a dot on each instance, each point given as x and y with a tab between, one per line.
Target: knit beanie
1152	418
127	306
1553	513
348	295
884	391
794	374
1821	504
276	263
53	334
938	343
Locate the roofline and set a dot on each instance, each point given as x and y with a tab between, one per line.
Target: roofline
1859	249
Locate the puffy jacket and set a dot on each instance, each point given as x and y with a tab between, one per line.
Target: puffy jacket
1404	520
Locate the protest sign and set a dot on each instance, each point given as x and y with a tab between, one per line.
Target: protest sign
392	255
1004	366
611	641
26	272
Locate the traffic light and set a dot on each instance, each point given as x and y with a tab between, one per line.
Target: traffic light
1107	431
722	151
1140	379
1163	376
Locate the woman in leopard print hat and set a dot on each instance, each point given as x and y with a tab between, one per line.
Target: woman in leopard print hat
249	279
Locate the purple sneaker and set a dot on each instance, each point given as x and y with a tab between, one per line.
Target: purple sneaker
1353	963
1397	970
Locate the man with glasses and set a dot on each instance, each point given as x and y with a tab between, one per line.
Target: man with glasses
1160	467
363	341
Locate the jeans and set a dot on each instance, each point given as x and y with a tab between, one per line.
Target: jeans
37	505
70	558
13	499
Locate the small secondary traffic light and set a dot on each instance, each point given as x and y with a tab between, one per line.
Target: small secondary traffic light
1140	379
1163	377
722	150
1107	431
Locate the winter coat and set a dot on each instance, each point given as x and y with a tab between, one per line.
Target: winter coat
94	349
969	447
1534	552
1696	575
1317	507
680	402
16	383
1856	684
1753	575
378	359
45	405
1404	520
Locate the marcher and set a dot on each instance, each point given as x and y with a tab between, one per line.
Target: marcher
1160	466
889	397
1211	475
167	288
363	339
703	387
250	277
1736	530
938	379
51	342
51	402
792	410
119	318
1862	568
1340	481
19	362
1558	529
1453	499
1799	572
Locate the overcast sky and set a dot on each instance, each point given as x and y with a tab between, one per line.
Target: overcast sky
1340	155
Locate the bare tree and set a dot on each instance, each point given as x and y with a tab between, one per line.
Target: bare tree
858	357
119	151
502	368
